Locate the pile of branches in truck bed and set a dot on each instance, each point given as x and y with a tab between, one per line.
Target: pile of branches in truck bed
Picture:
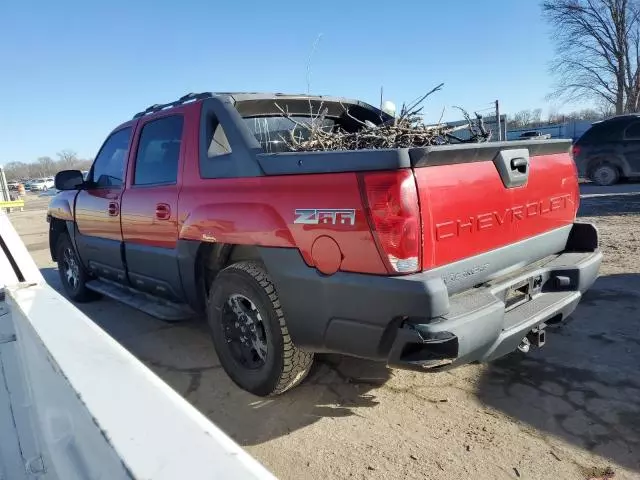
404	131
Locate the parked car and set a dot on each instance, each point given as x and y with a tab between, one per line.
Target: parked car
13	186
42	184
610	150
425	258
534	135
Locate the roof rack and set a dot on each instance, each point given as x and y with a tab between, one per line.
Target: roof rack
189	97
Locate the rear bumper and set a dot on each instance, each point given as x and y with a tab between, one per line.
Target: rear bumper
479	327
413	321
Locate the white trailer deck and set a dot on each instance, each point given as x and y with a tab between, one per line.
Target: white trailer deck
74	404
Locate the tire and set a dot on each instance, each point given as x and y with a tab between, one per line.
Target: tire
276	364
68	261
604	174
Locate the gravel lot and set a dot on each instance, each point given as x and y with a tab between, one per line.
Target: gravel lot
568	411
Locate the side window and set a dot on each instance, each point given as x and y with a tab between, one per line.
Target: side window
633	131
219	144
108	168
159	151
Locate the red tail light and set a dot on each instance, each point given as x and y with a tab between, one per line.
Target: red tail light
575	150
391	202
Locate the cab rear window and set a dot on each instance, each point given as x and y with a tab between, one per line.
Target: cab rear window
273	133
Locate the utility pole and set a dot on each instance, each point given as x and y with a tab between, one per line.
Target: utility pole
498	121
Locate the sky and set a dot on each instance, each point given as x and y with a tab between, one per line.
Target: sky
70	71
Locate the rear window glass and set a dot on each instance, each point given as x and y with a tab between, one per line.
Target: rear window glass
273	133
604	132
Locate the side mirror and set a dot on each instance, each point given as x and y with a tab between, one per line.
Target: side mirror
69	180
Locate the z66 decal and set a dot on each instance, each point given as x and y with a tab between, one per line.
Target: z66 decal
325	216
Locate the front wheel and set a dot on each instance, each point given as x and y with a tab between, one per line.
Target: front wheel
250	332
72	275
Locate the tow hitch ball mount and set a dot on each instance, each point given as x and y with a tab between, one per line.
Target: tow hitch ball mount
535	337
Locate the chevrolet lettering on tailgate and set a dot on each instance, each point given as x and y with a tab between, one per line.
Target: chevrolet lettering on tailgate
491	220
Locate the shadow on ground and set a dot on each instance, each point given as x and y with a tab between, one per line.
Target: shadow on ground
610	204
182	355
583	386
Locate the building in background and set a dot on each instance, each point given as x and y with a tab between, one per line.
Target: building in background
572	129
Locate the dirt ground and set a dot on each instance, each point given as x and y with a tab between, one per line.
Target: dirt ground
568	411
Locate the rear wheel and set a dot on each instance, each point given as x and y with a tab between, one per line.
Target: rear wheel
605	174
250	333
72	274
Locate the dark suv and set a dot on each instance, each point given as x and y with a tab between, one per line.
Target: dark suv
610	150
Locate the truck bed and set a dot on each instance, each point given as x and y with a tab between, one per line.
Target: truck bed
300	163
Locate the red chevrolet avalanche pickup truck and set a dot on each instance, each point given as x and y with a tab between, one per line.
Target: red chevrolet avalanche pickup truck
425	258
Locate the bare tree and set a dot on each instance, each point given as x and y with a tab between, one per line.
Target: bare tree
83	164
67	159
520	119
43	167
17	170
604	109
46	166
587	114
597	50
553	115
536	116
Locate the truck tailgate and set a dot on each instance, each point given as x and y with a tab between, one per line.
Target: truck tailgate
478	198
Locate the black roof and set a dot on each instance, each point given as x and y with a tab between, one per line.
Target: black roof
623	117
249	96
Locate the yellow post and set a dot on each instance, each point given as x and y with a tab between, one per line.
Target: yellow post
12	204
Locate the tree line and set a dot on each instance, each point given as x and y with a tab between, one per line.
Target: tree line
533	118
46	166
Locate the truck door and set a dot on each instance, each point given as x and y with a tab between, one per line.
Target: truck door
99	237
150	207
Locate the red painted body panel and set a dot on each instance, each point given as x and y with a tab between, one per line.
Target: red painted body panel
141	225
260	211
466	210
92	213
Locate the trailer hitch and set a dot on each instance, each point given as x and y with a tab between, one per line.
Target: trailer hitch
536	337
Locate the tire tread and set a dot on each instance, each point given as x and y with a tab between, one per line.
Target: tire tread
297	363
